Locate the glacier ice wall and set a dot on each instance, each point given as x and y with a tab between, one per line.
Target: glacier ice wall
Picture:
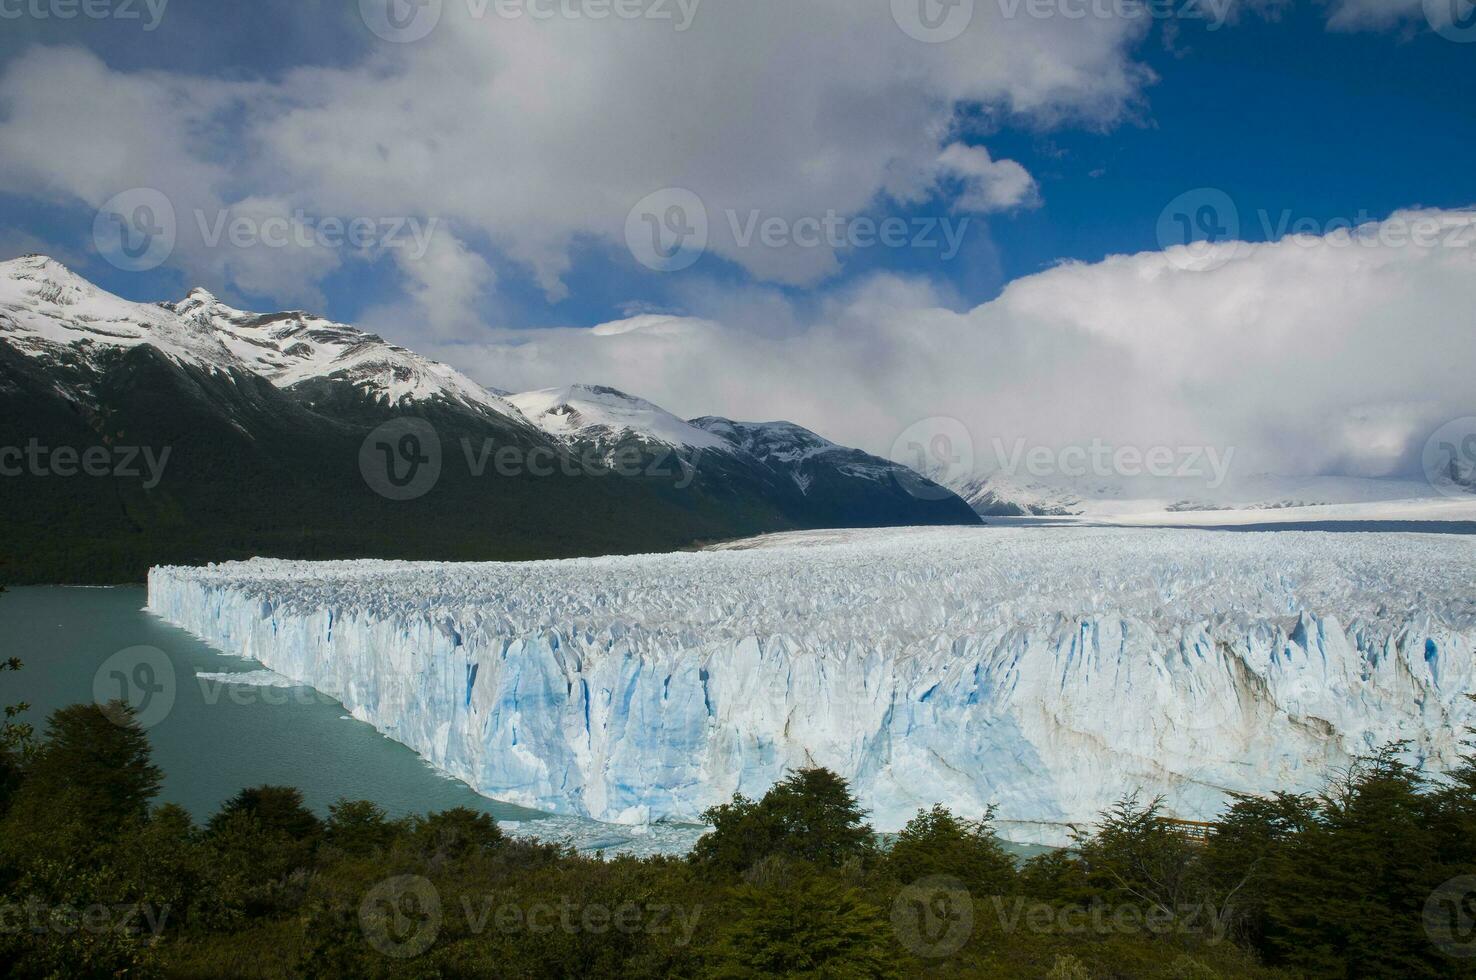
1044	670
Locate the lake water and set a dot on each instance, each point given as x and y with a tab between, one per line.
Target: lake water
215	738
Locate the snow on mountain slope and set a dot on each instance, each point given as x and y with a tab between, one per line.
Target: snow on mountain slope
1046	670
780	442
292	348
51	314
604	415
800	453
55	316
1002	496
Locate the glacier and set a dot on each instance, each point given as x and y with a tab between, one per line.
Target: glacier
1045	671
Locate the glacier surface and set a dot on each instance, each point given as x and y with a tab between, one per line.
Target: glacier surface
1047	671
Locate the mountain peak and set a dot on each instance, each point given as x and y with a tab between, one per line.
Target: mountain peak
43	269
581	411
50	313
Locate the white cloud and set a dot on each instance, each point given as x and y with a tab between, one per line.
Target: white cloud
1307	356
447	285
536	135
989	184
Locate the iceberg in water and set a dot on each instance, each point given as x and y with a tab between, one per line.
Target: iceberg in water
1047	671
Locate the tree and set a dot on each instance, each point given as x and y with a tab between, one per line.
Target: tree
1347	898
15	739
1135	856
816	927
451	834
92	769
274	808
264	839
936	842
811	816
359	827
1243	851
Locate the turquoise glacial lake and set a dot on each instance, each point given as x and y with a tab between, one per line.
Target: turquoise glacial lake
216	737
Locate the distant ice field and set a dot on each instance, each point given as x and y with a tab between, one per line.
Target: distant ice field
1045	670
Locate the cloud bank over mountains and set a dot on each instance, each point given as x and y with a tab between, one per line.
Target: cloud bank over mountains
1337	353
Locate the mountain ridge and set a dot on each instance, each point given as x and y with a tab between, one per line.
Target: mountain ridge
268	417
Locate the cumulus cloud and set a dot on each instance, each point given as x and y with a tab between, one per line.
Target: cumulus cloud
989	184
446	287
1336	354
537	135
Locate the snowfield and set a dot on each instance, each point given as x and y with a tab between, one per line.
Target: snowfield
1045	670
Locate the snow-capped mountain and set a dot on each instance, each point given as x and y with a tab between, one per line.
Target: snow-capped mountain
606	417
55	316
292	349
806	459
52	314
267	421
1001	496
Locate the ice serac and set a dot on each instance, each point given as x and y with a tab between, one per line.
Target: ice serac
1045	670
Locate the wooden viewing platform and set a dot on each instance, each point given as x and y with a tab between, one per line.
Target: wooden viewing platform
1193	831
